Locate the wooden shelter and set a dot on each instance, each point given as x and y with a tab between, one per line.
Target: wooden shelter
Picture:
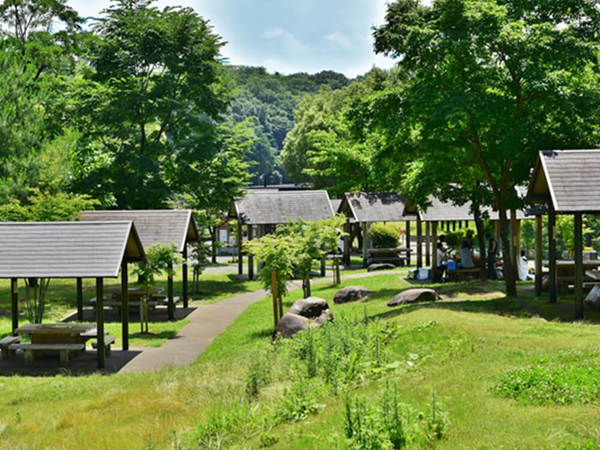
159	226
567	182
365	208
267	209
71	250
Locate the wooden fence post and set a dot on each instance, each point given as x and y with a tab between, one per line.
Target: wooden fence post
274	292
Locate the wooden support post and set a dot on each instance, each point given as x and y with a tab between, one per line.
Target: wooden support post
170	297
434	226
184	277
100	321
274	292
497	235
552	253
79	299
250	257
428	244
323	266
338	278
515	232
454	225
365	243
124	304
447	226
347	244
239	242
419	242
538	256
14	299
408	243
578	267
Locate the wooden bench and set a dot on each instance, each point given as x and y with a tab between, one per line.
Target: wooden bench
461	274
5	342
108	341
65	350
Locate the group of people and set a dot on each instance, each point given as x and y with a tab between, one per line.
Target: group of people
466	255
467	260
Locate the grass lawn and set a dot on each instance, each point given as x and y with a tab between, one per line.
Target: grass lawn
244	392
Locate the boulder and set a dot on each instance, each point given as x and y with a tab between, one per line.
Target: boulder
326	316
374	267
414	296
593	298
310	307
351	294
290	324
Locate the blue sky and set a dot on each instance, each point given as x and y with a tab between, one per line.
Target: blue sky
288	35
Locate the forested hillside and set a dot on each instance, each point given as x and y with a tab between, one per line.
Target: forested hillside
269	101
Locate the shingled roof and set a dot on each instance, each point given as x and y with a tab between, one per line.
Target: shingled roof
164	226
275	208
442	211
335	204
67	249
568	178
372	207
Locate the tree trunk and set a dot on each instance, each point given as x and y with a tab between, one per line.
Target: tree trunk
481	240
213	244
306	286
509	275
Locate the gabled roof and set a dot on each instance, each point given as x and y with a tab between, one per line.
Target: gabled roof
569	179
67	249
165	226
335	204
276	208
372	207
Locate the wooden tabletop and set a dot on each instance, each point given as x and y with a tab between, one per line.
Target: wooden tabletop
133	290
55	328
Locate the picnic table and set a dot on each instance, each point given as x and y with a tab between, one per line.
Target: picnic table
565	272
389	256
64	339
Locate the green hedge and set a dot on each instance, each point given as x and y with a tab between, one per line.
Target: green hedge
384	236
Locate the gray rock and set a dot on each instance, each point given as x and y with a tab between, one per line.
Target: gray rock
384	266
414	296
326	316
351	294
310	307
290	324
593	298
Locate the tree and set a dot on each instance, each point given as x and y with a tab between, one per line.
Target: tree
493	82
149	105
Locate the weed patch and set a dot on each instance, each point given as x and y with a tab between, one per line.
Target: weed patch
563	385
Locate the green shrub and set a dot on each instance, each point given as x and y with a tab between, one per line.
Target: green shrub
384	236
454	239
561	385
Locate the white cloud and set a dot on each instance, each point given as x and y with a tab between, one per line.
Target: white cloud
340	40
288	42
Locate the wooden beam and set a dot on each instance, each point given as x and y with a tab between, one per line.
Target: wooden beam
578	267
408	242
14	299
170	297
250	257
538	256
239	242
184	277
347	244
124	305
434	226
552	253
365	242
419	242
79	299
100	321
454	225
427	244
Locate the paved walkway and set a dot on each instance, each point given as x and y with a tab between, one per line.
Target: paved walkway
206	323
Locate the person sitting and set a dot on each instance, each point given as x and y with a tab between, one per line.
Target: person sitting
523	267
466	252
442	256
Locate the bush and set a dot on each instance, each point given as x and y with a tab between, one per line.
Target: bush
384	236
454	239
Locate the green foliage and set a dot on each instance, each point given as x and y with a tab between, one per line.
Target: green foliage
275	253
147	106
161	259
258	376
36	290
384	235
454	239
299	402
200	255
46	207
563	385
269	101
